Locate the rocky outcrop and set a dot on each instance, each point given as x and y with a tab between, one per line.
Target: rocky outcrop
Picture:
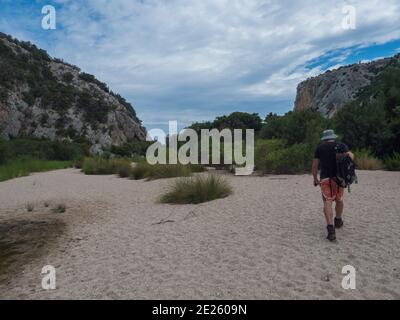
48	98
332	90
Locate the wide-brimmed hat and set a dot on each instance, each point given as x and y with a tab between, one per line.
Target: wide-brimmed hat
329	135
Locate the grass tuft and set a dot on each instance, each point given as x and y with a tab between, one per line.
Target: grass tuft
60	208
197	189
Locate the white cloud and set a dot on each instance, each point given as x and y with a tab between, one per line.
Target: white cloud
173	57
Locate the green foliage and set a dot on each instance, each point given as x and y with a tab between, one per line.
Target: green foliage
294	127
125	170
24	166
126	104
87	77
294	159
140	171
262	148
96	110
364	127
32	69
29	98
290	142
131	148
372	121
60	208
143	170
91	78
3	94
392	163
101	166
236	120
197	190
68	77
365	160
40	149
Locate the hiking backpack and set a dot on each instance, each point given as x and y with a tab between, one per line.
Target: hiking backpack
345	170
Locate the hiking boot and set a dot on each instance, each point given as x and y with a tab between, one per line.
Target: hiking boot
331	233
338	223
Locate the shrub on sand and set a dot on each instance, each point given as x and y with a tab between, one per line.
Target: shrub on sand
124	170
262	148
295	159
197	189
393	163
365	160
144	170
101	166
139	171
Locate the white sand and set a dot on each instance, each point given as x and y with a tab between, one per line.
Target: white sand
267	241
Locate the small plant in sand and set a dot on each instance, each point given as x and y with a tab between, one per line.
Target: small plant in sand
29	207
60	208
197	189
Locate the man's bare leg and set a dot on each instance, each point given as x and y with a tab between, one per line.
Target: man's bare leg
339	212
339	209
328	211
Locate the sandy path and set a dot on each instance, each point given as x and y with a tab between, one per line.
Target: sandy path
267	241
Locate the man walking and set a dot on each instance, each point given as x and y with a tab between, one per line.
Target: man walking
325	159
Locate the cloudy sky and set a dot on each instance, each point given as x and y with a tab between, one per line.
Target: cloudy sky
192	60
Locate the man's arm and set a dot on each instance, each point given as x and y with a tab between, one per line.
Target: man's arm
351	155
345	150
315	165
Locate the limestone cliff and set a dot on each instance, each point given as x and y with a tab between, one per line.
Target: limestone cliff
329	92
45	97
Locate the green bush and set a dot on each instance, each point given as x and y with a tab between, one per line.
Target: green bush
3	94
125	170
197	189
68	77
144	170
132	148
294	127
365	160
140	171
262	148
41	149
392	163
101	166
96	110
295	159
236	120
25	166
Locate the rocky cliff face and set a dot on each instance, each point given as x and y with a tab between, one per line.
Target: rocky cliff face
332	90
48	98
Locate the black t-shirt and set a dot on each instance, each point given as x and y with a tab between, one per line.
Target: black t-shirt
326	153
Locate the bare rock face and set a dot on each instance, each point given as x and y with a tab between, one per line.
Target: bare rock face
332	90
48	98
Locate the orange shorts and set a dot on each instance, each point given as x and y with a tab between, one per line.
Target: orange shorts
331	191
